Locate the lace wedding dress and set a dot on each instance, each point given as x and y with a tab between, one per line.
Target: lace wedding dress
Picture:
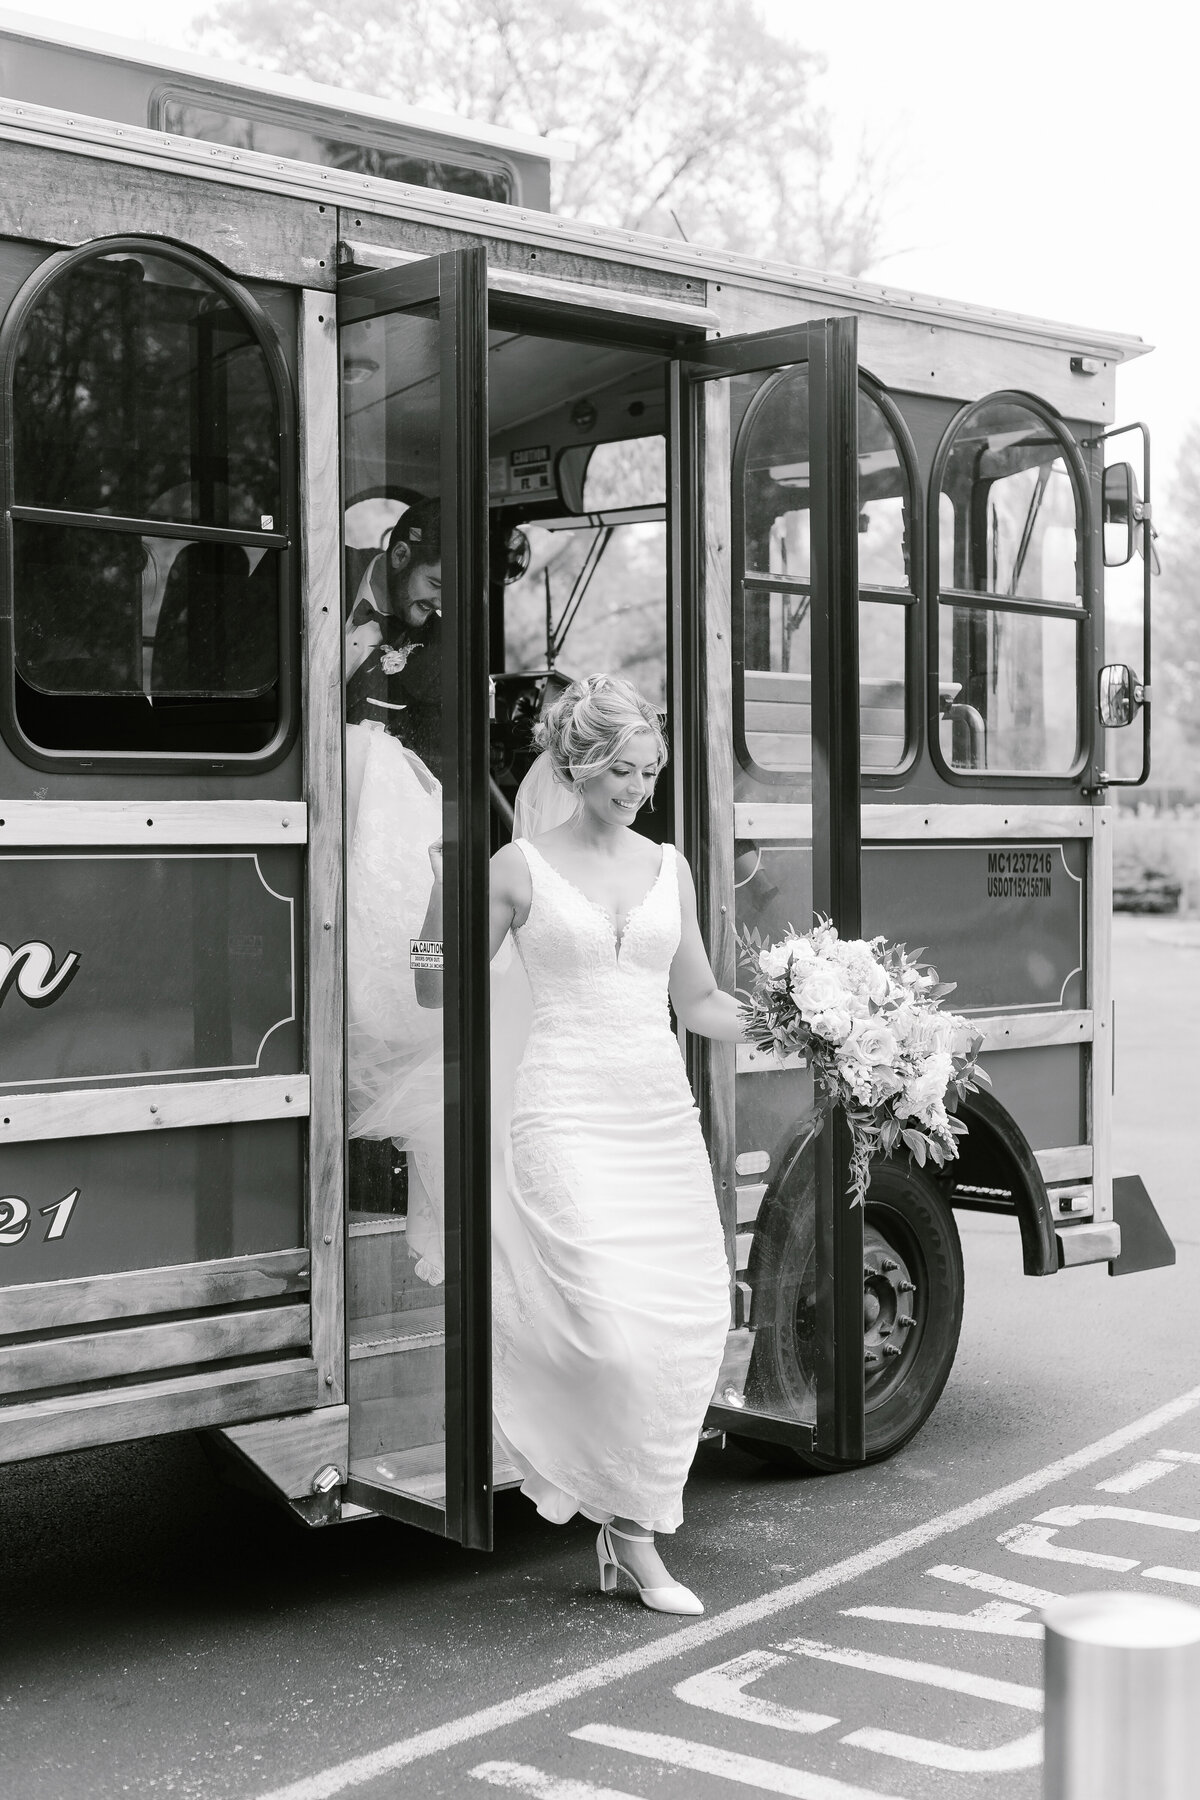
610	1283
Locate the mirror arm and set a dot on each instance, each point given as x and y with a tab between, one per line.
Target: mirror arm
1105	779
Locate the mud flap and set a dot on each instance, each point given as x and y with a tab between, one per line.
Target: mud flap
1144	1240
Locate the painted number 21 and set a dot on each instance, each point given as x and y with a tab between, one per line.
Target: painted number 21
15	1216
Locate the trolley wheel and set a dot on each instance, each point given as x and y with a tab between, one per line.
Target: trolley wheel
912	1304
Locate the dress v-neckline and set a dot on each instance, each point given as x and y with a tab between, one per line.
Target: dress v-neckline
618	937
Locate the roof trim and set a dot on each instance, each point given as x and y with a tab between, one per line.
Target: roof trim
159	58
489	218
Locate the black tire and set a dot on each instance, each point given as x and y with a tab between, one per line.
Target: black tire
910	1237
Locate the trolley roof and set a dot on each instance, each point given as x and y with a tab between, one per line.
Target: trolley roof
486	218
344	101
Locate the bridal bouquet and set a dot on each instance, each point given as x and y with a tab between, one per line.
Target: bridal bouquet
868	1016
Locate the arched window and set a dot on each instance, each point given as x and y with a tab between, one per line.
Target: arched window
773	574
147	507
1012	586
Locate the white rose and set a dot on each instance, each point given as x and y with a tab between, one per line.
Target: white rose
817	988
924	1096
874	1043
774	960
833	1025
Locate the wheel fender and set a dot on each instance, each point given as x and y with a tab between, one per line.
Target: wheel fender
996	1153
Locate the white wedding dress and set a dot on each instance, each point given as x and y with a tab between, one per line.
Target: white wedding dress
394	1068
610	1282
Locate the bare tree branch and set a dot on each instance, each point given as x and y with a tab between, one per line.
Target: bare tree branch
690	106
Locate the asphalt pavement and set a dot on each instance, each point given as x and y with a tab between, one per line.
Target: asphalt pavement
162	1634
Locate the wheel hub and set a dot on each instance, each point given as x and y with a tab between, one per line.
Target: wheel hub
889	1310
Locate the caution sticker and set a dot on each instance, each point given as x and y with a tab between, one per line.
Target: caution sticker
425	953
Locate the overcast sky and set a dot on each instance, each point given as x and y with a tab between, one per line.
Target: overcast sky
1045	160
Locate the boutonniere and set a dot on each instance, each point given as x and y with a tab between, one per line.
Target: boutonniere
392	660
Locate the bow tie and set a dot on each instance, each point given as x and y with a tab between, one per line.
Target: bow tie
364	612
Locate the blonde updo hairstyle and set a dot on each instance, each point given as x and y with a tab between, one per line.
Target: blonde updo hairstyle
585	732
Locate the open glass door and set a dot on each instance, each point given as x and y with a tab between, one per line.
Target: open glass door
414	449
766	690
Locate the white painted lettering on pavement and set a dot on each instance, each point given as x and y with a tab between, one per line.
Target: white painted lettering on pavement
731	1765
1140	1476
935	1753
721	1690
437	1740
519	1778
1128	1515
997	1618
999	1585
1037	1540
932	1753
935	1675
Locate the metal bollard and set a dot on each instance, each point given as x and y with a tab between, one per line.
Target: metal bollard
1122	1678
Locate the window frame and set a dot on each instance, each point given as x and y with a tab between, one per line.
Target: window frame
910	599
1082	615
282	540
913	600
256	109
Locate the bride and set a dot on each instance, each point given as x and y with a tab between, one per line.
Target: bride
610	1280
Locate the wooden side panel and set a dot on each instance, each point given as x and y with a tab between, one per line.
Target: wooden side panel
48	1305
148	1409
30	823
92	1112
320	526
769	821
290	1451
1100	999
913	356
57	197
1022	1031
505	250
138	1349
1072	1162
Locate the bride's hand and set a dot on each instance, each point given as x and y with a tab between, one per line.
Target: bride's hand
435	861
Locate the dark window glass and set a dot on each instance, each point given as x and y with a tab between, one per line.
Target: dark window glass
298	141
1009	531
776	549
142	394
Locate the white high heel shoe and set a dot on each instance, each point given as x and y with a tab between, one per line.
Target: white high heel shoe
673	1599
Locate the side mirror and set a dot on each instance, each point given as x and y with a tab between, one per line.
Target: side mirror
1119	512
1120	695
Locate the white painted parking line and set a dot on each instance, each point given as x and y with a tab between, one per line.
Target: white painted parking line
679	1641
519	1778
731	1765
722	1690
935	1675
999	1585
1180	1456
